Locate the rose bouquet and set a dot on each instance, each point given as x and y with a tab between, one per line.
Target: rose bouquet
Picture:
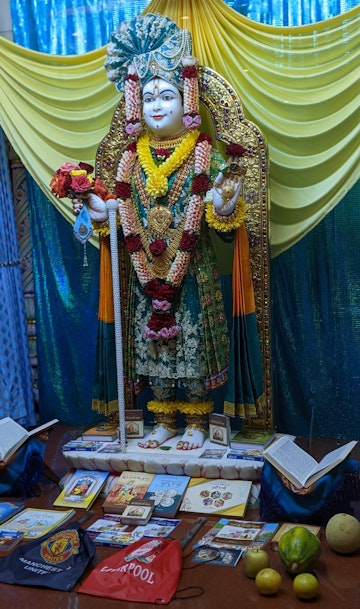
74	181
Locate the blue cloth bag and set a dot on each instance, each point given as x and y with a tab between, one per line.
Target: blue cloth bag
335	492
56	560
21	476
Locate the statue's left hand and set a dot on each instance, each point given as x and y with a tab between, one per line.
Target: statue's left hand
226	191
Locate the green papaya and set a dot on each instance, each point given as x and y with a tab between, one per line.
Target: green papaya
299	549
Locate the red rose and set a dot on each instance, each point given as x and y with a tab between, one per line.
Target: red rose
152	288
189	72
86	167
162	153
157	247
123	190
187	242
204	137
131	147
167	292
100	189
160	290
133	77
234	150
80	184
133	243
161	320
200	184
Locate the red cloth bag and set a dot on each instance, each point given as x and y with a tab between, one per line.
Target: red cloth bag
147	571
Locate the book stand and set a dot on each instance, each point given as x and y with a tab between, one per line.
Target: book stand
21	474
334	492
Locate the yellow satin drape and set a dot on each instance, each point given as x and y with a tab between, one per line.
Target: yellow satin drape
300	85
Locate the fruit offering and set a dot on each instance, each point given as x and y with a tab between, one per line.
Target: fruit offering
299	550
343	533
254	561
268	581
306	586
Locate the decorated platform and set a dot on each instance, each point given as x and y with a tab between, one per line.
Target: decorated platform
209	461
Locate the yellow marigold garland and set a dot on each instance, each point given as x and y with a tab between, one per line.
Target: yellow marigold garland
226	223
156	182
157	406
196	408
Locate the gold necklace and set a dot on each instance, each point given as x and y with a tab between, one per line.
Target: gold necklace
160	265
160	218
167	143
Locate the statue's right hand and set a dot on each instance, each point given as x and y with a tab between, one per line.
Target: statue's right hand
95	205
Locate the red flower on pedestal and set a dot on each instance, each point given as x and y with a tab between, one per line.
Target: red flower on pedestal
189	72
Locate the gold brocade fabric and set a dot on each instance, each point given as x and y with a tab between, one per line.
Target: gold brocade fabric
298	84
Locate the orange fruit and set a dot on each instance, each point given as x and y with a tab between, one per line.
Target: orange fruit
306	586
268	581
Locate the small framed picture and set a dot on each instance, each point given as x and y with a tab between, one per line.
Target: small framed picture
134	423
219	429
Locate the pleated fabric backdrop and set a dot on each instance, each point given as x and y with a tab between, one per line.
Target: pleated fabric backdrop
315	331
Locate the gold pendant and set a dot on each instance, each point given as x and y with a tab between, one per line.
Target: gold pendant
159	219
160	267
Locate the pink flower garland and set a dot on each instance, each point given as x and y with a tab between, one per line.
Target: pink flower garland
192	118
132	102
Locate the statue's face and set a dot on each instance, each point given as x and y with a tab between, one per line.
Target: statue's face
162	108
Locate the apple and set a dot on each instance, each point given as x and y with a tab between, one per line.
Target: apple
255	560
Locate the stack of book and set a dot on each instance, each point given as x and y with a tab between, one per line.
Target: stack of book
250	444
164	491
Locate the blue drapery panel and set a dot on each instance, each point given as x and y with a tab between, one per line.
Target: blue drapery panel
16	397
293	12
315	330
66	304
69	27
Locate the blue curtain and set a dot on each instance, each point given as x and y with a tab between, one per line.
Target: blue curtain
66	299
315	284
16	396
69	27
316	328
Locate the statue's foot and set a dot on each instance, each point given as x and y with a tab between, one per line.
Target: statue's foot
191	439
156	437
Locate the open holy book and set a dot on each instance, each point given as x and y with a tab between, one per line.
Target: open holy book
298	466
13	435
